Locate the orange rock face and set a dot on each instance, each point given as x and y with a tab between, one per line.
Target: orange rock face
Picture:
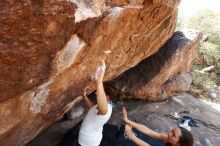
166	72
50	48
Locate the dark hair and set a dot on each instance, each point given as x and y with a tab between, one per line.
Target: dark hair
115	90
186	139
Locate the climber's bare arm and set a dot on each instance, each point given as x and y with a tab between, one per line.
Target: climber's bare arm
142	128
102	102
134	138
88	102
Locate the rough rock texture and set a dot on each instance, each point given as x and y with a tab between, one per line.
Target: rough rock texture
50	48
177	84
155	77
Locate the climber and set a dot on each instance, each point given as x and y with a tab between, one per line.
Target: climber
90	133
177	137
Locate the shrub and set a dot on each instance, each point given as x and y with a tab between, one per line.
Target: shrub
208	22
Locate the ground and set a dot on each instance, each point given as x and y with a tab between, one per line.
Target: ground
157	115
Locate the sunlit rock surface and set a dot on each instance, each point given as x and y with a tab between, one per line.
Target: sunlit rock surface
50	48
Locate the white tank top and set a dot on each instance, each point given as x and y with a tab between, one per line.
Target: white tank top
90	133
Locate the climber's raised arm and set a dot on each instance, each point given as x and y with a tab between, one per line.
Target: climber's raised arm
142	128
102	103
134	138
88	102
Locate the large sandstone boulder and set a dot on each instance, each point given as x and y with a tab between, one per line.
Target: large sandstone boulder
50	48
158	76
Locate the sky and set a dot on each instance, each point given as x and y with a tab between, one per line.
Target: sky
190	7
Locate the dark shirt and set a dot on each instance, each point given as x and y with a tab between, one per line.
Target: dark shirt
111	137
122	141
168	144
